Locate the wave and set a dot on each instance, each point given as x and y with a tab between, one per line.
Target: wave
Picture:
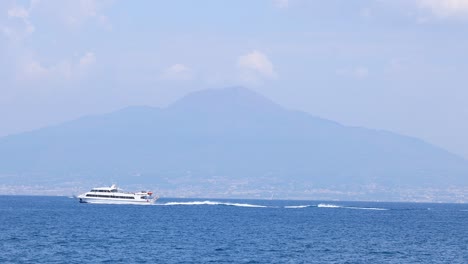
321	205
297	206
350	207
213	203
329	206
367	208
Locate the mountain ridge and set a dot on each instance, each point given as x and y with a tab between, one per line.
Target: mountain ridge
234	133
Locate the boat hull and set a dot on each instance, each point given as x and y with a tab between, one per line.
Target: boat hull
115	201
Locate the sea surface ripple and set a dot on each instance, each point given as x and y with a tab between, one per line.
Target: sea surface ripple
61	230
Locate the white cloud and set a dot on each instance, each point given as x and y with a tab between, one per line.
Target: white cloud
177	72
88	59
17	26
445	8
75	13
15	32
19	12
255	65
281	3
71	13
33	70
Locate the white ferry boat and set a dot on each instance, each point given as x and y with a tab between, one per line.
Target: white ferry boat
114	195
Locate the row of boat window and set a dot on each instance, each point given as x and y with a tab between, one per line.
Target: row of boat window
109	196
103	190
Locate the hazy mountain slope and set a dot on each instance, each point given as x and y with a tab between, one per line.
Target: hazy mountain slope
231	132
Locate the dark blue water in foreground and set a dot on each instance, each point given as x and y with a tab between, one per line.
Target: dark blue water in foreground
61	230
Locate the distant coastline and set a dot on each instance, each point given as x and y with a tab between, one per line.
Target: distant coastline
422	195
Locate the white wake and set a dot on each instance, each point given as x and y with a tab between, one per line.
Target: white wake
213	203
328	206
350	207
297	206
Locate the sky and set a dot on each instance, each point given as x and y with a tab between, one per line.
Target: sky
396	65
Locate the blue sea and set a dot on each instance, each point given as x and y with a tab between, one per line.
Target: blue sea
39	229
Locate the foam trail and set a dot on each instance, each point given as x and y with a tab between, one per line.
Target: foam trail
366	208
245	205
213	203
328	206
191	203
297	206
350	207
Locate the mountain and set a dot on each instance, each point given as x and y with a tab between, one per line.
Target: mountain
232	133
